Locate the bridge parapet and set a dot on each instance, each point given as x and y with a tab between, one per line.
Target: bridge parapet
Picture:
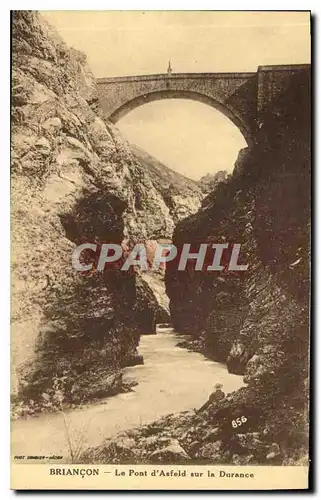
173	76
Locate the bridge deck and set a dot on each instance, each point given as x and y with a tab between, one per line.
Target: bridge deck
161	76
136	78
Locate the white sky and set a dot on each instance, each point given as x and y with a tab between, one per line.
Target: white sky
130	43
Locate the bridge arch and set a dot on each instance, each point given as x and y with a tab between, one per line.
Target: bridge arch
142	99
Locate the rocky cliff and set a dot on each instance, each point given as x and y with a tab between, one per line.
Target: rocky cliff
264	206
183	196
256	321
209	182
73	179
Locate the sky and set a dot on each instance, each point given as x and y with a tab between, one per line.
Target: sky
119	43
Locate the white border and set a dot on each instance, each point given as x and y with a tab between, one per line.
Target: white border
314	6
161	5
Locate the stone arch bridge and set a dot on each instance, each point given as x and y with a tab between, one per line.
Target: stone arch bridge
242	97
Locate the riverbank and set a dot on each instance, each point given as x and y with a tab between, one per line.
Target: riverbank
171	380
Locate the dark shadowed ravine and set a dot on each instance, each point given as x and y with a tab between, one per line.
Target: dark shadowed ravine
171	380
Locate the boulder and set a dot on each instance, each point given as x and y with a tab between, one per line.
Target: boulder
237	359
136	359
242	459
124	443
173	453
274	453
251	441
211	450
212	434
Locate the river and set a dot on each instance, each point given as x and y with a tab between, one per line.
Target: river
172	379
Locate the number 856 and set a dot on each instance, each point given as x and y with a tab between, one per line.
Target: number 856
239	421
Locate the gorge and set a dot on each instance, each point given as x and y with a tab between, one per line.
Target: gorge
75	337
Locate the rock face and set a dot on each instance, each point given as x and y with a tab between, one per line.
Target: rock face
73	180
257	320
183	196
210	181
264	206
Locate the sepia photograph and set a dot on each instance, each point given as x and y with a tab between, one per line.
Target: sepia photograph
160	249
